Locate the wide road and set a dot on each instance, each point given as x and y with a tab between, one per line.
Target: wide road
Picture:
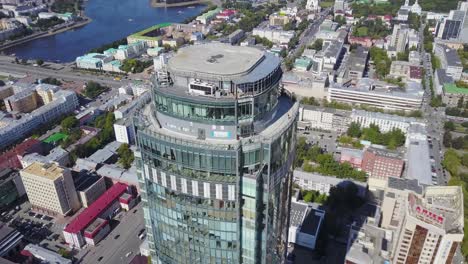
113	250
7	66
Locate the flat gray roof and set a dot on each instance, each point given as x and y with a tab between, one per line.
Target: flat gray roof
216	59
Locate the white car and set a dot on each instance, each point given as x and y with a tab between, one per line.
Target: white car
128	254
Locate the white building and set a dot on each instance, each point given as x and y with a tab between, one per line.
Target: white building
379	94
313	5
274	34
124	132
323	184
45	255
385	122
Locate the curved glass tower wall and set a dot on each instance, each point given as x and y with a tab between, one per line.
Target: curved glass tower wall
216	148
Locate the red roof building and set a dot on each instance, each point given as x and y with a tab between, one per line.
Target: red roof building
102	207
11	158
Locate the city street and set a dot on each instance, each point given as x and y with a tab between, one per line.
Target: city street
120	241
434	118
8	66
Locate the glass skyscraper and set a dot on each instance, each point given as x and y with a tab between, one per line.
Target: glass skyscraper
216	148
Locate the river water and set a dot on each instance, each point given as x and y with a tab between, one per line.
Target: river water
112	20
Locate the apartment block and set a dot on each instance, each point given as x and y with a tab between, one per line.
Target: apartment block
50	188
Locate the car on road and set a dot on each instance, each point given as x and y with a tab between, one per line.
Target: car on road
128	254
117	236
100	258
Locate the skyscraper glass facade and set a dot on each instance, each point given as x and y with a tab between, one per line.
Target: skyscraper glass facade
216	147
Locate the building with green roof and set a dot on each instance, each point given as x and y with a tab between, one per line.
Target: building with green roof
152	36
206	17
302	64
453	93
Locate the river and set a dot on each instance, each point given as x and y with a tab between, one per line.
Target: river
112	20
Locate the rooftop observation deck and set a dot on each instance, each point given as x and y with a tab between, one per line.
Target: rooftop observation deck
271	127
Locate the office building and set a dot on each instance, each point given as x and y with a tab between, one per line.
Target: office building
428	227
306	84
440	79
277	19
50	188
380	164
93	61
379	94
221	122
406	70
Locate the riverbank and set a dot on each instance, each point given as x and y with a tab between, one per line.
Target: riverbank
38	35
155	3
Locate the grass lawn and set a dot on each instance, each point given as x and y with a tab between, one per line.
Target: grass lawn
56	138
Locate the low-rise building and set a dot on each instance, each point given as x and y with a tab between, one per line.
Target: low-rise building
89	188
124	132
379	94
328	119
323	184
50	188
406	70
208	16
306	84
452	94
44	255
277	19
11	187
10	240
380	164
94	61
305	224
353	157
105	207
274	34
22	102
440	79
418	162
449	60
385	122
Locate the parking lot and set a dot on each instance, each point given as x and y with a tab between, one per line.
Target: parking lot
325	140
36	227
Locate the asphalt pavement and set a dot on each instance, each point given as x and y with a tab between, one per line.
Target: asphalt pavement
114	249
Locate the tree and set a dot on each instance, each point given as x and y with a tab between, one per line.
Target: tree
354	130
460	102
93	89
458	143
340	20
24	61
318	45
451	161
69	123
39	62
126	156
465	159
449	126
447	139
288	26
